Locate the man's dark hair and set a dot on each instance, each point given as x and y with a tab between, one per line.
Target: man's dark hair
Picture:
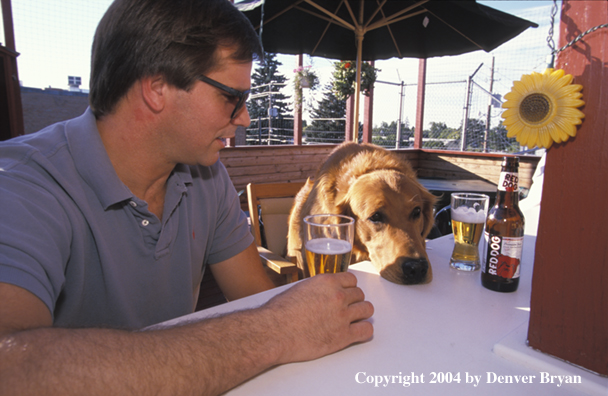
175	38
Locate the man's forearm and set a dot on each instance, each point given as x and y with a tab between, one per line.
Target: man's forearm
204	358
311	319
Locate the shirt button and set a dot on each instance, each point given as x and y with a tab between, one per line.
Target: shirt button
145	222
133	203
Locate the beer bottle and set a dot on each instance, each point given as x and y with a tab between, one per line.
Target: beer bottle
504	233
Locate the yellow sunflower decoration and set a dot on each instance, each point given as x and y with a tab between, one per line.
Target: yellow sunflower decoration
542	108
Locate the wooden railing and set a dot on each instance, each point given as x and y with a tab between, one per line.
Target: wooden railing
281	164
455	165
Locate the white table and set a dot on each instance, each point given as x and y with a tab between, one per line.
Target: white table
451	329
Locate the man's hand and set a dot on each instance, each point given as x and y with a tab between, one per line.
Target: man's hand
320	315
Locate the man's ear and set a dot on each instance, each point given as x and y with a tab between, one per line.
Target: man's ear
154	92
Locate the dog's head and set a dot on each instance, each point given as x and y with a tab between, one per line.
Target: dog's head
394	214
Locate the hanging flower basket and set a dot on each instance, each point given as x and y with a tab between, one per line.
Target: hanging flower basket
542	108
345	76
304	78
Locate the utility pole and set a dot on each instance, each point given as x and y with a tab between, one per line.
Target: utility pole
467	103
489	113
398	145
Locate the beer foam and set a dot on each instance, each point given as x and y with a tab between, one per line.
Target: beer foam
328	246
468	215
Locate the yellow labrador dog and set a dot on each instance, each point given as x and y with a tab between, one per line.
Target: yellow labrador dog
393	212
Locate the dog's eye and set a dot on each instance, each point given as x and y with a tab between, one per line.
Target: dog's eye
377	217
416	213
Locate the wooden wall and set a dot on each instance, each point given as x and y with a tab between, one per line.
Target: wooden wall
272	164
569	302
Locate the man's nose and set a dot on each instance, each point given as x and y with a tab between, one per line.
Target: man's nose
242	117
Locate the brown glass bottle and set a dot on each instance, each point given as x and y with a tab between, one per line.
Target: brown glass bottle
504	233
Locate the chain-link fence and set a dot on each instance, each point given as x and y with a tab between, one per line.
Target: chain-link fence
464	103
279	130
270	130
464	94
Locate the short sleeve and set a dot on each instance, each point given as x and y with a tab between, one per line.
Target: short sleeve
231	234
34	238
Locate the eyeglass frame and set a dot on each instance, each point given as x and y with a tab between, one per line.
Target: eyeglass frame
241	95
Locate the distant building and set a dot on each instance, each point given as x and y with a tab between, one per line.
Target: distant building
43	107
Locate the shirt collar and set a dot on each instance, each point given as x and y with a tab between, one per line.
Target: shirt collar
92	161
95	167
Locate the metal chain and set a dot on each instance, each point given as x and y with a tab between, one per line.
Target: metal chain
550	41
580	36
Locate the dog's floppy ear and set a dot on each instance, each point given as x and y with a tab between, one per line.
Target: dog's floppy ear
343	205
427	210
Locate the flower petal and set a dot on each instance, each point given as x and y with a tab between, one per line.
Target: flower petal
569	102
514	129
551	81
570	129
545	137
510	112
569	112
528	82
513	97
554	132
533	138
520	88
510	121
523	136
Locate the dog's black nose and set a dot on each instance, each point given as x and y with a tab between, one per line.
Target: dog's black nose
414	270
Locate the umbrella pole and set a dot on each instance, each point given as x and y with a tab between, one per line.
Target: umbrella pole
359	33
357	86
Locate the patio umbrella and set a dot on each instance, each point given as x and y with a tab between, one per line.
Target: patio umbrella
379	29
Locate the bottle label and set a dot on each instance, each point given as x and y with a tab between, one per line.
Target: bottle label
503	256
509	181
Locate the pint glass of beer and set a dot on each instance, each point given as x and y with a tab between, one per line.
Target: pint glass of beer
328	243
469	213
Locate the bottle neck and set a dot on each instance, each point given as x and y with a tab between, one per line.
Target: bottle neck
507	198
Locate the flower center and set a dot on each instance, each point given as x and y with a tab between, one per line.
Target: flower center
535	108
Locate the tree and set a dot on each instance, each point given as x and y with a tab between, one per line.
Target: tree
386	134
475	134
263	76
266	93
328	107
498	141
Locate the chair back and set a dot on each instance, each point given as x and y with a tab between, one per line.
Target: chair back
273	202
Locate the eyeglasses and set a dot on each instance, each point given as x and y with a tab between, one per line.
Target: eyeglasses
242	96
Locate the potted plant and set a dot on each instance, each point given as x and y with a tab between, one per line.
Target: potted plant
345	76
304	77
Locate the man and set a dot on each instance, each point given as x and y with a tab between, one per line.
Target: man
108	220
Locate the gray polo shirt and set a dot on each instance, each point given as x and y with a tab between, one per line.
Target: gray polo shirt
74	235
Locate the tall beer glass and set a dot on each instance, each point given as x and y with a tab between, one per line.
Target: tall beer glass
469	213
328	243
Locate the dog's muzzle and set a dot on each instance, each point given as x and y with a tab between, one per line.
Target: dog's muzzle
414	271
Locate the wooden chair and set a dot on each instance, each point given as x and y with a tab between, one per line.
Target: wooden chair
273	201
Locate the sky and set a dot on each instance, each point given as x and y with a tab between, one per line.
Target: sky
54	39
